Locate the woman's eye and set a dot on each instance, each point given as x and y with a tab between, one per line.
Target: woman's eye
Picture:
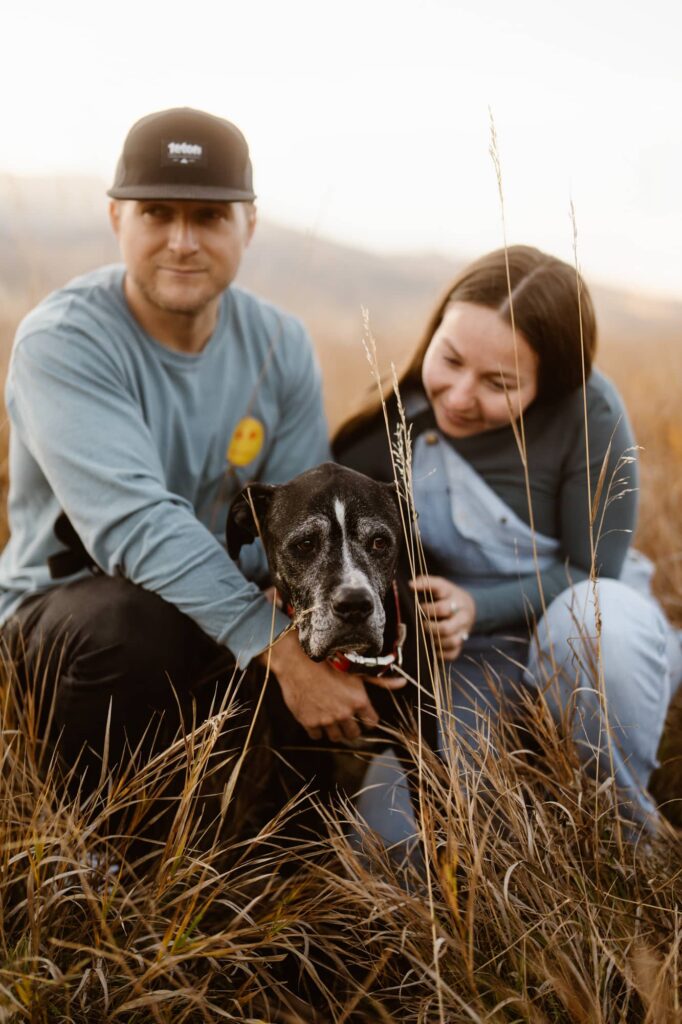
379	543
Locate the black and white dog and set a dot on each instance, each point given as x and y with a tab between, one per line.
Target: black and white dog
332	537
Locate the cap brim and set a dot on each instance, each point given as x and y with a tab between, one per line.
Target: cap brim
191	192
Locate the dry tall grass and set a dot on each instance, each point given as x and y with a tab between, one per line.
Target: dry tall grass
525	902
526	907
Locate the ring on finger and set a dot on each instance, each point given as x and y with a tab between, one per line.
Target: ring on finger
454	607
463	637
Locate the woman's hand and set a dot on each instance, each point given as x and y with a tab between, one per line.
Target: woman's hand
449	610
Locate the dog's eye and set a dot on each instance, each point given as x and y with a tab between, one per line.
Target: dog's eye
379	543
305	546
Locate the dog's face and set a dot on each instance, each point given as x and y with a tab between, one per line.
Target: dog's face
331	536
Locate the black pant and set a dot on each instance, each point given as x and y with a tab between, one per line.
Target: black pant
102	653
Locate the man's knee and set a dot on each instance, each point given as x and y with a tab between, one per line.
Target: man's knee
111	627
102	653
103	640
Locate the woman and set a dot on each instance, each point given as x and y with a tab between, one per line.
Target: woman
512	523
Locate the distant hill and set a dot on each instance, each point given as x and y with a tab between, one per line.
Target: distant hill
52	229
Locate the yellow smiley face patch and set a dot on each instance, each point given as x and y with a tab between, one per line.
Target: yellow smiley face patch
246	441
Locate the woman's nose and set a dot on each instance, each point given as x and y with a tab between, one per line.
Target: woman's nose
461	394
182	237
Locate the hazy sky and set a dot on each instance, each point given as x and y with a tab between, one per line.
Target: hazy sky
368	119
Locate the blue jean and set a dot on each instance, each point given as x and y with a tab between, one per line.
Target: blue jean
637	648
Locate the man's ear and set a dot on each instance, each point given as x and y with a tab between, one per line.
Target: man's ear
115	215
247	516
251	220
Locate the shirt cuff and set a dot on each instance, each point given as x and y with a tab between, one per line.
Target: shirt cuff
255	632
487	609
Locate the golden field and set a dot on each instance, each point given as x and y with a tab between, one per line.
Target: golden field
542	910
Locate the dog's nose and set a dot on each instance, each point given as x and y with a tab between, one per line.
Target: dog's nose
352	604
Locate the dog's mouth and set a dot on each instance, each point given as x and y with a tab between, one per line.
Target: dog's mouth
352	648
322	645
370	660
378	661
323	634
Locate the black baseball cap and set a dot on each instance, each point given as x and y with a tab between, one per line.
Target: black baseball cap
184	154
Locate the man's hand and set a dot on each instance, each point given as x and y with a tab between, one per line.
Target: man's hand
322	699
449	610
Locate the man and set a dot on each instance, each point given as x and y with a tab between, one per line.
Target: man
141	399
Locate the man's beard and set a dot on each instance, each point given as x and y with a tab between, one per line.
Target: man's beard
155	297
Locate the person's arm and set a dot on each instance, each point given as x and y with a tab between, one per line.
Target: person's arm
611	443
75	413
520	601
73	408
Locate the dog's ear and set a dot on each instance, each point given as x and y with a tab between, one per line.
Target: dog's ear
391	489
246	516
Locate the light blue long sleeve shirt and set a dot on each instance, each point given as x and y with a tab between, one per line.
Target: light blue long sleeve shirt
130	439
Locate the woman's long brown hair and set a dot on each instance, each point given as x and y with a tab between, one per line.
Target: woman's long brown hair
544	294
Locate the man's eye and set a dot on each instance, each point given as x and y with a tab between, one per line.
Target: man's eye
379	543
157	215
211	216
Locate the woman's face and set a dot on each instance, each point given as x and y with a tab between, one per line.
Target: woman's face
470	371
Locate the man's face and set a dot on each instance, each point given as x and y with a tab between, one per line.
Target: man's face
180	254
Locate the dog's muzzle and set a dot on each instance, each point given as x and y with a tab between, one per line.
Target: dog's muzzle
350	661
